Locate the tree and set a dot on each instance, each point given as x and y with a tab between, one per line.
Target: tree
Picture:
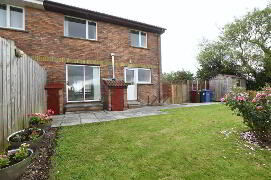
178	76
214	59
244	49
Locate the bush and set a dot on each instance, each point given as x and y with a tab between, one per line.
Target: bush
255	110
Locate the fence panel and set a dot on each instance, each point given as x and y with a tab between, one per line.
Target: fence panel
22	83
181	92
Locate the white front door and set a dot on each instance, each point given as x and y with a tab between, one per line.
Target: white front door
132	87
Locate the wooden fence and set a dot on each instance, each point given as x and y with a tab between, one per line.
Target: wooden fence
220	87
22	92
181	92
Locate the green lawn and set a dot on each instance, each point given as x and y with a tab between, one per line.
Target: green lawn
186	143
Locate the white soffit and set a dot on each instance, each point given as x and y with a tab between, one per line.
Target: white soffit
28	3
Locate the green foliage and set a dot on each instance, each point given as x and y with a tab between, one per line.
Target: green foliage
34	120
256	111
214	59
4	160
22	153
37	119
178	76
242	49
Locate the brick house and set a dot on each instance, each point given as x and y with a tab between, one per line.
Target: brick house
77	48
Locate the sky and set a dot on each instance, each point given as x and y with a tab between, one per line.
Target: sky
188	22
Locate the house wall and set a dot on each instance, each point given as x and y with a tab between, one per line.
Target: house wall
44	40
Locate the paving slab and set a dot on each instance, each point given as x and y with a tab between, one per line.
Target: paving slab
72	119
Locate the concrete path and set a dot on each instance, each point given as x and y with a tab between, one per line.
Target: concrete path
72	119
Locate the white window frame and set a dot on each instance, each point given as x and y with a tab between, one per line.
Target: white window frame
136	75
8	17
87	21
67	88
140	32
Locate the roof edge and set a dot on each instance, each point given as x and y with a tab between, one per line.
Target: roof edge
88	14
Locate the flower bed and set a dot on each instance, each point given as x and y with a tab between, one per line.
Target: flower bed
30	136
13	164
41	120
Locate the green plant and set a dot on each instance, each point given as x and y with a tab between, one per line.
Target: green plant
34	120
4	160
256	111
22	153
41	118
34	135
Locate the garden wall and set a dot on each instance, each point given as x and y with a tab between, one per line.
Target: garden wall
22	92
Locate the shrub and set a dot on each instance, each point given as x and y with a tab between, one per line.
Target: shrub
256	111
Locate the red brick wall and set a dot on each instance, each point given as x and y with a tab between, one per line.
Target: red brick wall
44	36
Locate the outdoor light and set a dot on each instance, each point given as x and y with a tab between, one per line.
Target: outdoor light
18	53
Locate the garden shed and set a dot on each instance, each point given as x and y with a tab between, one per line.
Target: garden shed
222	84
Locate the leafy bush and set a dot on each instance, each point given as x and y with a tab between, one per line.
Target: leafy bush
256	111
178	76
41	118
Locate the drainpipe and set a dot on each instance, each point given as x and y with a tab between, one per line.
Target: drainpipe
113	64
159	65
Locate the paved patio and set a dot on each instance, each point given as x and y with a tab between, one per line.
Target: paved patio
71	119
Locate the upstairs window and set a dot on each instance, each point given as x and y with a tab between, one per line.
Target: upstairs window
80	28
138	39
11	17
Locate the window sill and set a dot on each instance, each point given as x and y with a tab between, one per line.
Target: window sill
145	83
92	40
140	83
140	47
14	29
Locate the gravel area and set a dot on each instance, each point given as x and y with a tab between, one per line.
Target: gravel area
40	167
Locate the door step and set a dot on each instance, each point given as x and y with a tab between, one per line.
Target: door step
83	107
134	104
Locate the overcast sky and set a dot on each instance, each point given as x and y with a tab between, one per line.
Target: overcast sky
187	22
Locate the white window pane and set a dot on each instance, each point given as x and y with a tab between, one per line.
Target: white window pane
129	75
91	30
75	27
16	17
143	39
92	83
144	75
3	15
135	38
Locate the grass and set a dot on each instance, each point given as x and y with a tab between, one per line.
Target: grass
186	143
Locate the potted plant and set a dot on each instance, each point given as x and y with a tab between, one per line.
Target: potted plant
14	163
31	136
41	120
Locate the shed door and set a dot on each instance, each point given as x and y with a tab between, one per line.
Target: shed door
117	99
53	100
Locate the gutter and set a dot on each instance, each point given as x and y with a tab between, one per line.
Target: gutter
88	14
